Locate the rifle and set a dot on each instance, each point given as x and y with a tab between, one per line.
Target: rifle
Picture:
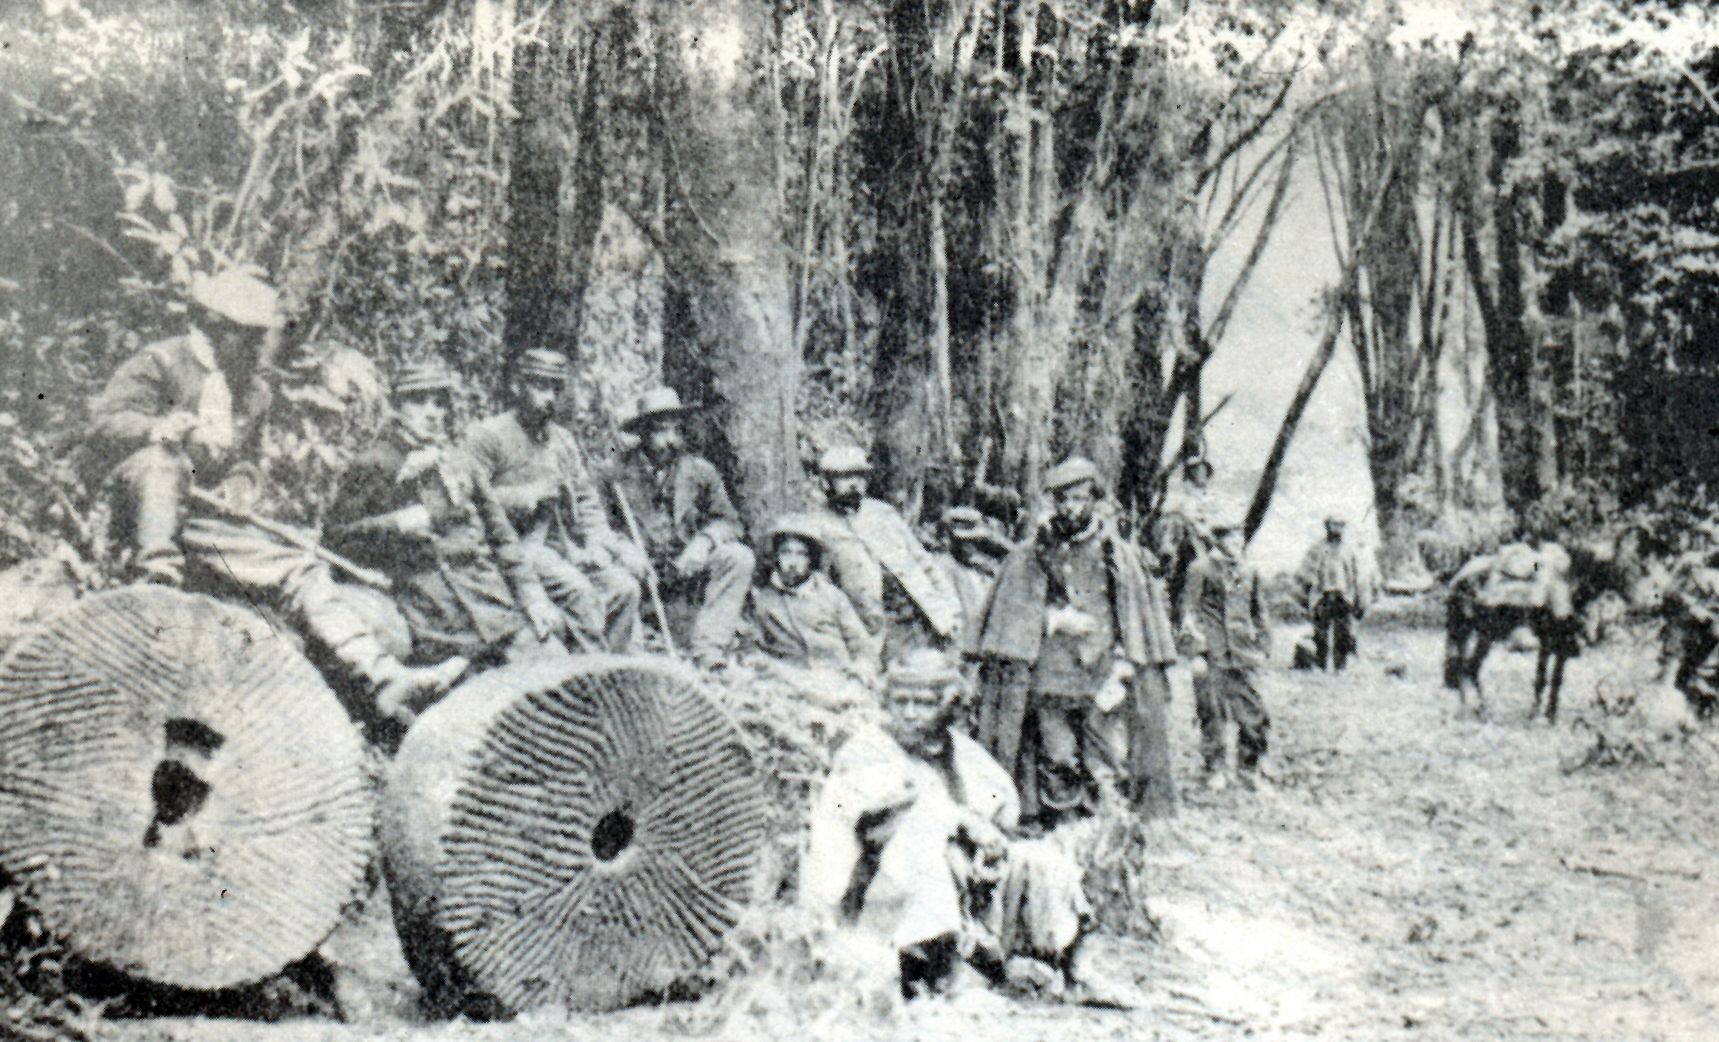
293	536
651	586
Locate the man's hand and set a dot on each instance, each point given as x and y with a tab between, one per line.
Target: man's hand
695	557
546	619
412	521
418	461
631	556
1115	687
173	428
1071	621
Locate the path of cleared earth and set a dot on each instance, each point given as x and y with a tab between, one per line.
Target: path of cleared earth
1413	874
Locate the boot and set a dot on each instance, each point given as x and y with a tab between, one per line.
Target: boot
399	687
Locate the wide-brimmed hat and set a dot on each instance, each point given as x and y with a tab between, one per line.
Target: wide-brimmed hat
654	403
240	298
844	459
969	525
431	374
1072	471
800	526
543	364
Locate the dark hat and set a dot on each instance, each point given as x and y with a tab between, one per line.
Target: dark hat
844	459
543	363
658	401
1224	521
1333	521
428	375
968	525
1072	471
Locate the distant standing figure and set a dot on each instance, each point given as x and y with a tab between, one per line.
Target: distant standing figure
900	592
1181	535
1223	620
689	525
1335	589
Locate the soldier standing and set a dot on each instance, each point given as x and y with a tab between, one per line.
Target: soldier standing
1223	620
1335	590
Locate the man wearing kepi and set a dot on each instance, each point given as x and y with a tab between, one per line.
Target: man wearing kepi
1073	648
409	506
895	584
912	844
1335	590
1224	621
689	525
539	475
171	412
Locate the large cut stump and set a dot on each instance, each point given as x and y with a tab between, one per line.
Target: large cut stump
580	832
178	787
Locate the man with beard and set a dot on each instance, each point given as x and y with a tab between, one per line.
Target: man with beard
538	474
900	592
913	843
408	506
1223	620
688	524
180	412
1073	648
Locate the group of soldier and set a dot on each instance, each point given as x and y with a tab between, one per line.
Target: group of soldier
997	689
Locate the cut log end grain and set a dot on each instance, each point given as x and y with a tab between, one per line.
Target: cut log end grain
580	834
180	791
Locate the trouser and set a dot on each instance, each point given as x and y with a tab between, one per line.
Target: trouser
726	579
1221	695
601	598
1333	633
1077	744
227	557
150	487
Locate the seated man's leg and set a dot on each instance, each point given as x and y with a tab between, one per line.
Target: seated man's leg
619	595
727	578
571	590
150	485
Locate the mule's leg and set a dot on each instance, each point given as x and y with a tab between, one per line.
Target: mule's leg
1540	658
1482	643
1557	684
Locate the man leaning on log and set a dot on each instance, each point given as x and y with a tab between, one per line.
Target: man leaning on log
410	506
175	419
540	476
1072	649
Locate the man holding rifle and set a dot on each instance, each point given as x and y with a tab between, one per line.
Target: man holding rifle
676	502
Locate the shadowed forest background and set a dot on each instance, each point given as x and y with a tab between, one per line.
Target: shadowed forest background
975	236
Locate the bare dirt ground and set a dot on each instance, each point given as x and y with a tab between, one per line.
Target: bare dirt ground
1412	874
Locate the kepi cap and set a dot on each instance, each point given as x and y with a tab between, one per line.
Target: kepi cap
430	374
1071	471
544	364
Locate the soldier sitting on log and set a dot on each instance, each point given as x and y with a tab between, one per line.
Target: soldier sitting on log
675	502
411	507
807	625
899	591
539	475
170	419
911	843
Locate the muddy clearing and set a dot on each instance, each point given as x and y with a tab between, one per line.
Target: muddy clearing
1412	874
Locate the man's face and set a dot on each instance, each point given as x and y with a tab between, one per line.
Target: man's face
1333	532
230	340
1073	505
845	491
915	718
662	439
424	415
1198	474
537	395
793	560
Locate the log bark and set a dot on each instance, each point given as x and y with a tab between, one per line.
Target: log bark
182	795
581	833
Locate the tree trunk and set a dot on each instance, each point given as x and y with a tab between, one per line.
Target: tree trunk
580	832
555	184
723	235
185	799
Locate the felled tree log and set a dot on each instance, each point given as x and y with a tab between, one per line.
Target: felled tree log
580	833
180	791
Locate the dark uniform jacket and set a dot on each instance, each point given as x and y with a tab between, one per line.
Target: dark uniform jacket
685	499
